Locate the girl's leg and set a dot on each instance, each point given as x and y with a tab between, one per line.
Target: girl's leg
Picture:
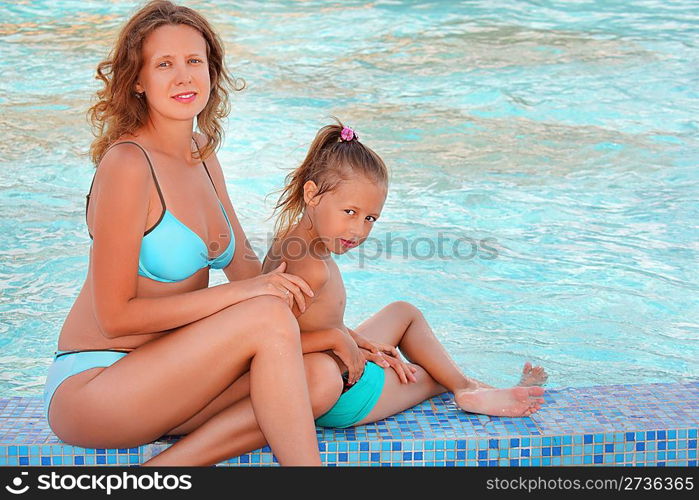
403	325
233	428
397	396
170	379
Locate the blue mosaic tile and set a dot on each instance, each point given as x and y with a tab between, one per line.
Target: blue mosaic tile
650	424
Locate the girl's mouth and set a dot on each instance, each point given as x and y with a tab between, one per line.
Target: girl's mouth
347	243
185	97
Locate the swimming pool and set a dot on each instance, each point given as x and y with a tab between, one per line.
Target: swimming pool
544	196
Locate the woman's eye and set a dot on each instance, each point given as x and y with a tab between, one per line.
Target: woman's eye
163	64
371	218
195	60
348	210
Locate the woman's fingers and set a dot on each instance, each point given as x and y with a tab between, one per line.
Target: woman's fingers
285	295
295	293
295	285
279	269
293	290
301	283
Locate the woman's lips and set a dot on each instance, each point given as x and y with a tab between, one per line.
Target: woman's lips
185	97
347	243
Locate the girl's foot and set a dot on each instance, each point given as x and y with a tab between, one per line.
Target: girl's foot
512	402
532	376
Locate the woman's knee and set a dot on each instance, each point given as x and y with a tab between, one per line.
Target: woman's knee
273	313
324	382
271	318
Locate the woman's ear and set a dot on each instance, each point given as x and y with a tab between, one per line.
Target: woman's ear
138	88
309	193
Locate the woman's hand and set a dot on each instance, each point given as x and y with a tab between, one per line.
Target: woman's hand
287	287
349	353
385	355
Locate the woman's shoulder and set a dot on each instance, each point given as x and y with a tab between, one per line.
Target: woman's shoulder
125	161
126	148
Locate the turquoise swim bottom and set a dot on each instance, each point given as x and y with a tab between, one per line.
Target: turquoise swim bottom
358	401
69	363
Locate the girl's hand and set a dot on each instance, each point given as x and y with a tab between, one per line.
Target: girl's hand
378	349
287	287
405	371
346	349
385	355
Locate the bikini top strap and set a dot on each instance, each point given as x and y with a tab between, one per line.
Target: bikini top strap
152	171
205	168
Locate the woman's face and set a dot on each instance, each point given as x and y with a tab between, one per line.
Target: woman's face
175	72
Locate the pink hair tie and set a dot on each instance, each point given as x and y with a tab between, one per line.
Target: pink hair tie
348	134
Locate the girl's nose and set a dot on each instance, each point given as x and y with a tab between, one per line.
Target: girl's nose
357	229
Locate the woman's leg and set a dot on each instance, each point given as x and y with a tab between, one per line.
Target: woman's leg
236	430
167	381
403	325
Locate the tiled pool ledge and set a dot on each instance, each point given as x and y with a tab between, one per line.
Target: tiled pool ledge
648	424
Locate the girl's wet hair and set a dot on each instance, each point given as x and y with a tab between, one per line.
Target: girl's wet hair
330	160
120	111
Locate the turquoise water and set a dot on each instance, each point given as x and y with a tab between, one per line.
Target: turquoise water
559	139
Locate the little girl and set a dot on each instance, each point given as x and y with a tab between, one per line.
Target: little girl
329	206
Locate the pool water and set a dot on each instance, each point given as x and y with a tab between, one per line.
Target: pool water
544	196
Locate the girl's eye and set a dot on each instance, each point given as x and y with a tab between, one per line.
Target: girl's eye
195	60
163	64
371	218
348	210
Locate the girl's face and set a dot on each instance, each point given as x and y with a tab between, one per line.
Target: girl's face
175	72
344	217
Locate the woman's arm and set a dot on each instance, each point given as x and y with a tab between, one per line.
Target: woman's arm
120	206
149	315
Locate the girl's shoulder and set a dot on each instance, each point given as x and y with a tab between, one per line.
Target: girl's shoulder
313	270
300	260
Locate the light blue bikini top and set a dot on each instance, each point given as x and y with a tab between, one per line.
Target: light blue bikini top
170	251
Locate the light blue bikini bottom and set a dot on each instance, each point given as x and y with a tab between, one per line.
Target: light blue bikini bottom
69	363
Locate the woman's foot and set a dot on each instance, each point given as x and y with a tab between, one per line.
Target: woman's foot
533	376
513	402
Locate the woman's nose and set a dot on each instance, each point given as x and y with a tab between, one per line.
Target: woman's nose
184	75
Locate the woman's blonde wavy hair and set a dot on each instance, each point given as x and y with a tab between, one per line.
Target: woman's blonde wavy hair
119	111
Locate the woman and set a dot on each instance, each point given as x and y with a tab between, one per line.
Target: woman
148	349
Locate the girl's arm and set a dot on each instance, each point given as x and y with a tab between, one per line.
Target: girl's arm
321	340
341	344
